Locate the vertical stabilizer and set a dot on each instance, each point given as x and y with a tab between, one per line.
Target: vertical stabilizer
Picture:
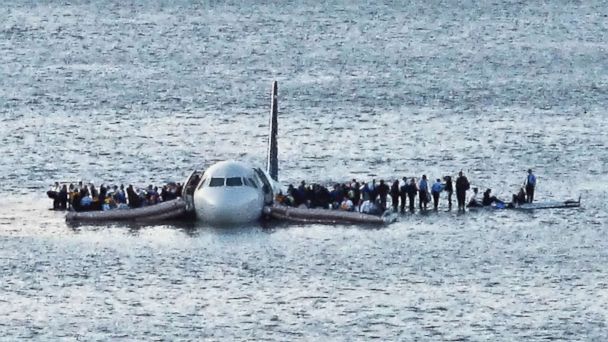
272	166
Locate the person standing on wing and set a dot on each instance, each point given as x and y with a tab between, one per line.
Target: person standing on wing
423	189
436	189
411	191
462	185
403	193
530	185
448	187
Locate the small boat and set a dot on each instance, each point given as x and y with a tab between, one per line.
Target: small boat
174	209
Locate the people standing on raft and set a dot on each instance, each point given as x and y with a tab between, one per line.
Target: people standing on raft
462	185
530	186
435	191
80	197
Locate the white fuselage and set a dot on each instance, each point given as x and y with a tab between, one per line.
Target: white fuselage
230	193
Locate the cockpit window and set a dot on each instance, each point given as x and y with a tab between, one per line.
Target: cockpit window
203	183
250	182
234	181
216	182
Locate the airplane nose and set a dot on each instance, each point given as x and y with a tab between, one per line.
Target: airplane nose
227	207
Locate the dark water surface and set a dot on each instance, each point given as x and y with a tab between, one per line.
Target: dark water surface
142	92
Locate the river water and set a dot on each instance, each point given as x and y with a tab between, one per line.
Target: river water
143	91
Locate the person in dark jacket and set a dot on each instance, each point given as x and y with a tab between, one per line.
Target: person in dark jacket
373	190
382	193
54	195
323	197
411	191
462	185
403	193
423	190
521	196
449	190
530	186
395	195
488	199
93	192
102	194
133	198
356	193
62	197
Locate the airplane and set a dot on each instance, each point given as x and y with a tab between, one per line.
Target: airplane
231	192
235	193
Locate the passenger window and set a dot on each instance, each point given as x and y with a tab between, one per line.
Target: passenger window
216	182
234	181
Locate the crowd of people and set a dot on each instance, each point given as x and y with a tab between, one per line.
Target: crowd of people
365	197
87	197
374	197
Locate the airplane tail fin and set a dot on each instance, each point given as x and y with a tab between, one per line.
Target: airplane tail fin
272	164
